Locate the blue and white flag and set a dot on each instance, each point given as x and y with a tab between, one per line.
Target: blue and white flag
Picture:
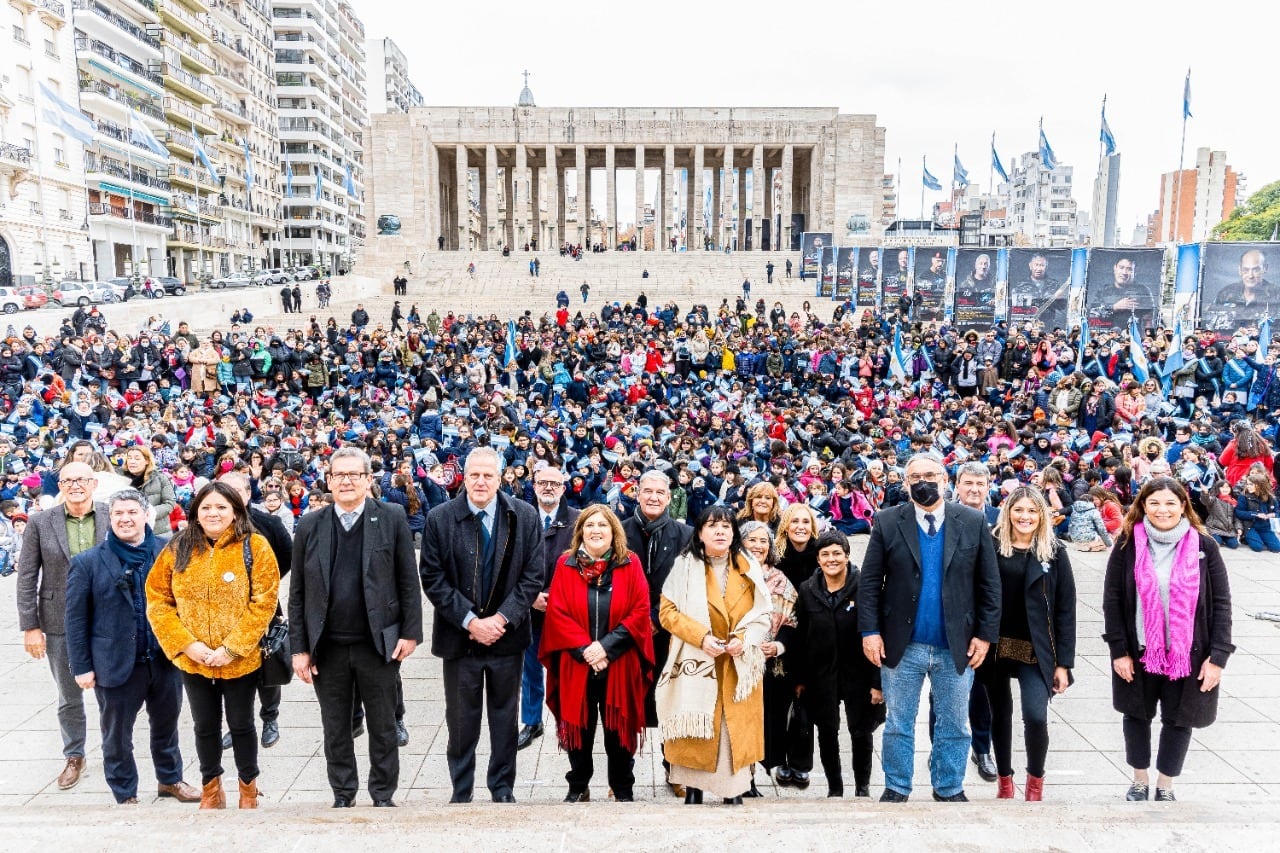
898	359
1084	342
66	117
509	353
961	177
930	182
248	162
350	183
1186	96
1046	153
203	156
1264	336
995	161
1108	141
288	177
1175	360
140	134
319	181
1137	357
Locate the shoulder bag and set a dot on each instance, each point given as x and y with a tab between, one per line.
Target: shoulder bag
277	665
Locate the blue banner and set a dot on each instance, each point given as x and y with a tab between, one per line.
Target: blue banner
1075	303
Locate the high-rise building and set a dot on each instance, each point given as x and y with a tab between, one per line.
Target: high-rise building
43	234
1193	201
390	89
1106	192
1042	211
320	90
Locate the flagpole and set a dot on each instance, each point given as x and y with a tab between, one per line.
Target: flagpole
1102	154
991	189
1182	151
924	164
133	221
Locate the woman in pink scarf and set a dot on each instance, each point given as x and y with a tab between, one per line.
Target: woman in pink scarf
1166	607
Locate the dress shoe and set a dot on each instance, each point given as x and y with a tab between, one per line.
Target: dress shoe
342	801
578	797
1165	795
402	734
834	793
212	796
800	779
1035	789
70	775
957	797
507	797
1138	792
180	791
226	741
459	799
862	791
270	733
527	735
753	792
783	775
384	804
1004	787
248	794
986	766
624	797
733	801
888	795
132	801
693	796
357	729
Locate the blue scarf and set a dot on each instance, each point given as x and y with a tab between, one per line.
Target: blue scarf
136	560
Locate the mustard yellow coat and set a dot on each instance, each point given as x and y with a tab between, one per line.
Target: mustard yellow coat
745	719
201	604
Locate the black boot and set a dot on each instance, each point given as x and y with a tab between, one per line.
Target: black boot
692	796
733	801
862	756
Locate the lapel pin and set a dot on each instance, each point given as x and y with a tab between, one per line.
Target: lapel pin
228	577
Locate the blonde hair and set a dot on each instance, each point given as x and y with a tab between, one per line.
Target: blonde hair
1043	541
761	490
782	543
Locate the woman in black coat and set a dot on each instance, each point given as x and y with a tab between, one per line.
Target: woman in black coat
833	670
1037	645
797	559
1169	639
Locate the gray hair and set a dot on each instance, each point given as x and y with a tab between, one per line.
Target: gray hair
655	474
481	453
349	452
237	480
974	469
125	495
927	456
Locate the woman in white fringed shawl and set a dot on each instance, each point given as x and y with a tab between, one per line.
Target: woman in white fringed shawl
709	695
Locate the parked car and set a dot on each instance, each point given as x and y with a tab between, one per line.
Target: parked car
303	273
11	301
33	296
236	279
273	276
171	285
125	287
87	292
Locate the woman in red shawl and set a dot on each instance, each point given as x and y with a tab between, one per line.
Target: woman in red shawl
597	646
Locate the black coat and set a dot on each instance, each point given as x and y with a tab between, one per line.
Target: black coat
1210	639
891	579
657	556
390	586
451	551
1050	595
555	542
272	530
829	649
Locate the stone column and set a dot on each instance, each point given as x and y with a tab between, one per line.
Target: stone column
520	197
460	199
562	205
509	207
717	199
551	234
696	225
788	174
727	197
611	198
668	186
536	224
492	226
584	195
742	208
757	196
639	198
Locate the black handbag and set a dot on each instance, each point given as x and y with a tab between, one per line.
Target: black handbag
277	664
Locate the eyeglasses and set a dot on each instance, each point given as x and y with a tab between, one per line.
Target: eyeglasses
548	484
77	482
347	476
930	478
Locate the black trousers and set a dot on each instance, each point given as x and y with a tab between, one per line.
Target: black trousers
621	762
357	704
473	684
1035	713
779	693
340	670
825	713
1175	740
208	699
269	699
157	684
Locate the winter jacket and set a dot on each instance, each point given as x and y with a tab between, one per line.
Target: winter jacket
1086	523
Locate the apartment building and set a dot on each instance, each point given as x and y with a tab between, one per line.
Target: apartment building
390	89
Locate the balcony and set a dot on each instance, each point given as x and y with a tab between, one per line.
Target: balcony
185	51
14	161
232	79
53	13
147	106
121	212
191	177
116	169
233	113
180	19
183	114
185	82
114	131
99	12
128	63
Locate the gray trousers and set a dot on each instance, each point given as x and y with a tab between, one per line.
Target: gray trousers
70	697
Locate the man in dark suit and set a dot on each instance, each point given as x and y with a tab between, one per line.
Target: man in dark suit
482	567
557	519
657	539
930	606
113	651
52	538
273	530
354	615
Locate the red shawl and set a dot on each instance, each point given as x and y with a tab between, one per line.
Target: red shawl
630	676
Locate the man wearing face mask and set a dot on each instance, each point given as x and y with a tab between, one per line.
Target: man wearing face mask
930	607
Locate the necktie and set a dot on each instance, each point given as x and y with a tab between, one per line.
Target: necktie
348	519
486	571
546	522
933	529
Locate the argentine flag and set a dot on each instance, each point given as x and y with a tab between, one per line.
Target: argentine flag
898	359
1138	358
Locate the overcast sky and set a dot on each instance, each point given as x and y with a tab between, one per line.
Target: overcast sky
934	73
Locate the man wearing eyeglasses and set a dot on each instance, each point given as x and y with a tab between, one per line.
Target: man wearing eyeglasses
52	538
929	602
557	519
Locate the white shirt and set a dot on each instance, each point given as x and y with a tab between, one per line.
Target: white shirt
938	515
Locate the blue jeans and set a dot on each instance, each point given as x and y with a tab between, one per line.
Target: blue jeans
951	741
1260	537
532	685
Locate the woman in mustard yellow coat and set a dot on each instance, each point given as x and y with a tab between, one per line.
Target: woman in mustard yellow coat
209	619
709	695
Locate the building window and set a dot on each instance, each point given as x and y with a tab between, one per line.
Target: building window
20	35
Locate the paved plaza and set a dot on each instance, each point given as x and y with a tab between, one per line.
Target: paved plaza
1229	795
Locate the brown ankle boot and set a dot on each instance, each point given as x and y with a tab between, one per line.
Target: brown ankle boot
1004	788
249	794
212	797
1035	788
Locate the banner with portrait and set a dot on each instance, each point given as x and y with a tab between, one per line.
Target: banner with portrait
827	278
975	300
1039	287
930	295
895	277
1123	284
846	272
1237	288
868	277
811	245
1186	283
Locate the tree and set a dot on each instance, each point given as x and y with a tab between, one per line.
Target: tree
1256	219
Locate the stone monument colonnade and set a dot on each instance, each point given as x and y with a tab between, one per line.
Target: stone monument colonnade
486	177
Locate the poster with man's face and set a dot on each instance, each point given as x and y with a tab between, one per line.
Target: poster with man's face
1121	284
975	295
1238	288
827	264
931	284
895	277
846	272
1039	287
812	244
868	277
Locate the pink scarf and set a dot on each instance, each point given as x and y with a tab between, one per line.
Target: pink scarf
1173	661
